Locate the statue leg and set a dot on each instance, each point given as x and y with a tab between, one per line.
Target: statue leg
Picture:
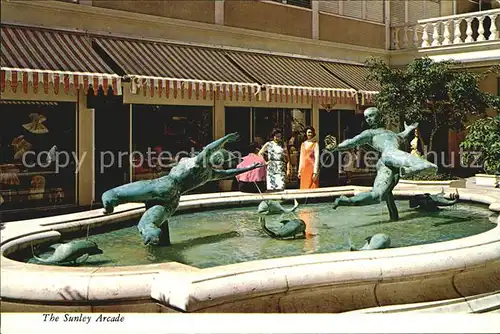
389	198
407	164
383	182
139	191
153	225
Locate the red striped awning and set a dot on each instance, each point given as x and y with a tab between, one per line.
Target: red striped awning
52	60
357	77
296	80
176	71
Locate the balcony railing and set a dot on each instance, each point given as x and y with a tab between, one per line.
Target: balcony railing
460	29
405	36
469	28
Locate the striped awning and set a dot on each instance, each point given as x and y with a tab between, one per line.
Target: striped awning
175	70
288	79
356	77
52	60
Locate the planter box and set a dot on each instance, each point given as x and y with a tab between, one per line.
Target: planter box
487	180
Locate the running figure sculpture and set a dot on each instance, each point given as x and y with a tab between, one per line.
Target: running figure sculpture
392	164
162	195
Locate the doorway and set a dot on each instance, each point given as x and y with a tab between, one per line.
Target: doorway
112	137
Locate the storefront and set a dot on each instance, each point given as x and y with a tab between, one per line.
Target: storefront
173	99
168	133
46	141
31	173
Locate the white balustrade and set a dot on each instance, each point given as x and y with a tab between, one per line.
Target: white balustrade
404	37
449	30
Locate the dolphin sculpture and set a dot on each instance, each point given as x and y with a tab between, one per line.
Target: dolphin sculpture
290	228
428	202
377	241
273	207
75	251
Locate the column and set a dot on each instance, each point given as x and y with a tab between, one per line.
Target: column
315	115
219	117
219	12
387	21
85	151
315	19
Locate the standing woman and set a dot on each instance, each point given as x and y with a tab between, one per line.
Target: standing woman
276	161
309	160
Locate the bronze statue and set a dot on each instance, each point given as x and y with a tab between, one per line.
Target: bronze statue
162	195
392	164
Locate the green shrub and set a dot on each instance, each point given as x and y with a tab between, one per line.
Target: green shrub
482	144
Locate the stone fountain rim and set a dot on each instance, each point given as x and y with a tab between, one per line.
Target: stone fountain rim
146	278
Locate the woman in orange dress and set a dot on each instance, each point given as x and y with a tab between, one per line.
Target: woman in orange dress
309	161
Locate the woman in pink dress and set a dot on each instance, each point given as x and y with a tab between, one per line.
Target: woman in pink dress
253	181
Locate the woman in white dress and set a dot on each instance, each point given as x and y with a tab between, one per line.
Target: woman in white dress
276	161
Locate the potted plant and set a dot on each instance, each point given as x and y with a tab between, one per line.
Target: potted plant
482	149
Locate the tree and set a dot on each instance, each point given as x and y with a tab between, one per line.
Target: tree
482	144
444	94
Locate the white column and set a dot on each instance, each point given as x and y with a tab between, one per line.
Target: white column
364	10
219	118
406	11
315	19
85	149
387	21
219	12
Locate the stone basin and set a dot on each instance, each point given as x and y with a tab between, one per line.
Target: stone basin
329	282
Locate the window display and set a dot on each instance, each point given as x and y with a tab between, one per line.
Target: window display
162	135
292	122
37	154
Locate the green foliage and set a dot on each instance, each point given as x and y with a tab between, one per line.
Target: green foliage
483	136
431	177
443	94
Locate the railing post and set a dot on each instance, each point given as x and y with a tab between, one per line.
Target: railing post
446	33
405	37
493	28
395	39
435	34
480	29
425	36
415	36
469	30
457	33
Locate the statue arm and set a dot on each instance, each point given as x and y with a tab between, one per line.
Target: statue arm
216	145
220	174
358	140
408	129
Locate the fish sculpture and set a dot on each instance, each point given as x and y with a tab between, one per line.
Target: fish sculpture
428	202
376	241
75	252
273	207
292	228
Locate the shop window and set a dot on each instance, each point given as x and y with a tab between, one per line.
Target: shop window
238	119
172	131
37	154
292	123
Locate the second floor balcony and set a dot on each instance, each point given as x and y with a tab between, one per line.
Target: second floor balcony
468	31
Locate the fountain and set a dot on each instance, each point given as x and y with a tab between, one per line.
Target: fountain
217	258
